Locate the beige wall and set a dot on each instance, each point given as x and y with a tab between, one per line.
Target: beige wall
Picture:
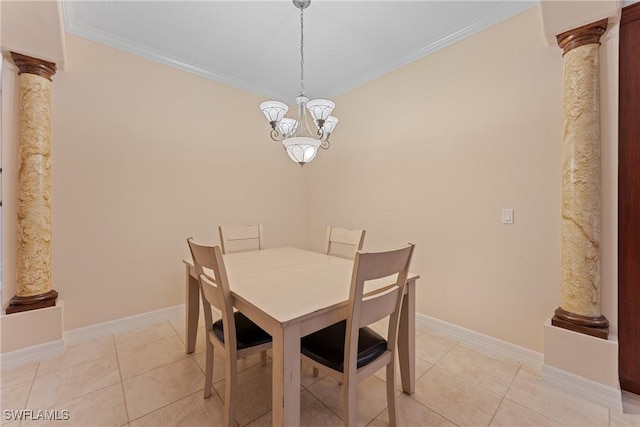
432	153
144	156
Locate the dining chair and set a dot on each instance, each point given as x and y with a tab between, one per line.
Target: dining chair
240	238
349	351
343	242
235	334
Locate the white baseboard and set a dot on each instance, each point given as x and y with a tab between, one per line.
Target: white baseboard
492	345
52	349
591	390
75	336
35	353
596	392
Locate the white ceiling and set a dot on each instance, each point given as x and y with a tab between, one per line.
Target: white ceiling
255	44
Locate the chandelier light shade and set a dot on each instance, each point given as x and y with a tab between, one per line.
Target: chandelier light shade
301	149
330	124
274	111
300	142
320	109
287	126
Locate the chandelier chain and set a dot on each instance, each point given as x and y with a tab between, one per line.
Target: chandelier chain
301	51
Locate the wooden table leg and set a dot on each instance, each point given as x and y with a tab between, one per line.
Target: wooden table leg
193	310
407	339
286	377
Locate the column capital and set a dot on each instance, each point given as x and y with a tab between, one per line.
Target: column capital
587	34
30	65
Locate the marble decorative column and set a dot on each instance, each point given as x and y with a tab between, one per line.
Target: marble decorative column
33	287
580	287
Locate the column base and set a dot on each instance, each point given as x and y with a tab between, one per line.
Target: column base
33	302
595	326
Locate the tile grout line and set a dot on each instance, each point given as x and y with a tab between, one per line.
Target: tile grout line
81	396
422	375
480	385
250	421
174	328
386	408
124	396
461	379
189	356
472	383
147	343
321	401
504	396
164	406
170	403
425	372
432	410
535	411
33	381
447	352
425	406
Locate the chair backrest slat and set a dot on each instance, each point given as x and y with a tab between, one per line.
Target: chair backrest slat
212	293
343	242
378	306
240	238
382	264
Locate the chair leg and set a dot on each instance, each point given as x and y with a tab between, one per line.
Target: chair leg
316	371
230	391
349	397
263	358
208	374
391	394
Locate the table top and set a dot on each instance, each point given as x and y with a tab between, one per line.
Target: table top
291	283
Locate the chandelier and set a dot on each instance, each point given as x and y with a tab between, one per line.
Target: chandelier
300	142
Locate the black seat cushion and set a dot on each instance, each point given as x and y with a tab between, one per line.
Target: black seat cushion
248	334
327	346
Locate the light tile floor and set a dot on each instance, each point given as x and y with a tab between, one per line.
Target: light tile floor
143	378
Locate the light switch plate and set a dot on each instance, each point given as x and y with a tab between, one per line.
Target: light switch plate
507	216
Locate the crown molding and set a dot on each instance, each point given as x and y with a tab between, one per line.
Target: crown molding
73	27
508	10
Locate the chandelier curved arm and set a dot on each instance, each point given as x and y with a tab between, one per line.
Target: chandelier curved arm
323	135
276	135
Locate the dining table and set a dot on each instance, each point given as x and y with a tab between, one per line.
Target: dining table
290	293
